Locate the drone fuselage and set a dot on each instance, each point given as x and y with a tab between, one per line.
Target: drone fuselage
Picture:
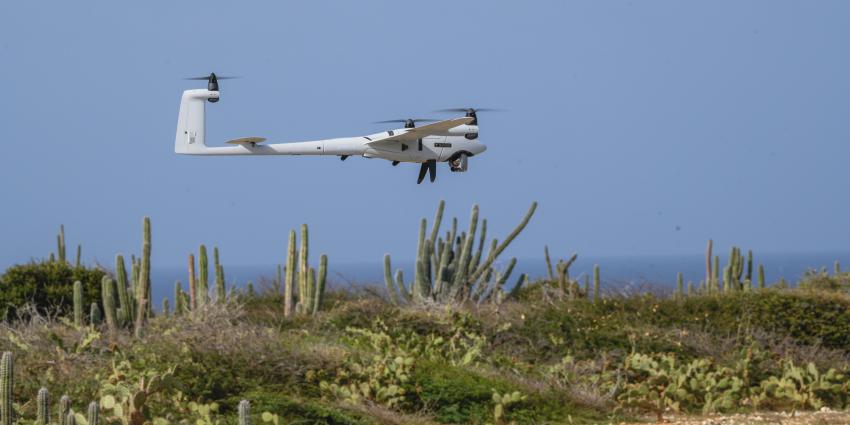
190	140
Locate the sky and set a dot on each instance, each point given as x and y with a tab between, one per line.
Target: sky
640	127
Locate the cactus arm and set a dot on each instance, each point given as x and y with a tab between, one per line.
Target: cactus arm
303	270
549	270
492	257
244	412
43	401
596	282
144	278
708	273
121	284
203	277
438	218
93	413
320	283
108	299
476	259
523	278
7	385
460	281
64	409
78	303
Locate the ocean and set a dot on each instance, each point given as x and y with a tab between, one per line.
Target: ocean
616	273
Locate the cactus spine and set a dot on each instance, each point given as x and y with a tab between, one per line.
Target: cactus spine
291	259
203	280
7	375
78	303
64	409
144	283
107	294
93	413
244	412
124	304
43	402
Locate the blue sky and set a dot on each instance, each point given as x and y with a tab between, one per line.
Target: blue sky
625	120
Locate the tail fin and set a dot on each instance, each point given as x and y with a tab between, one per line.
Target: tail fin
190	121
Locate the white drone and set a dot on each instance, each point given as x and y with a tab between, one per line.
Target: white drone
451	141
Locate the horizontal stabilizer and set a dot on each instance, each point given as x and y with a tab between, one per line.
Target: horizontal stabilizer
247	141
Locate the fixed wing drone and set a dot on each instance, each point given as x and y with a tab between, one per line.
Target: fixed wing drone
453	140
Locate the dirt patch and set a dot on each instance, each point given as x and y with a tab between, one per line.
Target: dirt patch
824	417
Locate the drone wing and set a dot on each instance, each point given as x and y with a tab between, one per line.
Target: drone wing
413	134
247	141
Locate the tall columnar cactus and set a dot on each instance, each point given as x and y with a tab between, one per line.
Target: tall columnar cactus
95	315
680	285
43	402
179	307
78	303
144	284
708	270
203	281
64	409
60	244
193	284
288	288
278	279
107	294
596	282
166	307
749	275
690	289
715	279
124	302
79	261
303	270
761	277
549	270
93	414
836	268
220	289
70	418
7	376
388	280
319	293
447	270
244	412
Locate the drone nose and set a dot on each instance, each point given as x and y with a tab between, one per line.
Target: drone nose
480	147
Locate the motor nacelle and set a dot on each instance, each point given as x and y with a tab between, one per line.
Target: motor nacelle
459	163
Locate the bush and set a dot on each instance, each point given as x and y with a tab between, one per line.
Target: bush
47	285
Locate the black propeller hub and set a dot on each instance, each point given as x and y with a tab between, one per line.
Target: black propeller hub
212	83
409	123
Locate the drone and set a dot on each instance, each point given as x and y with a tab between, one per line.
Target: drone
453	140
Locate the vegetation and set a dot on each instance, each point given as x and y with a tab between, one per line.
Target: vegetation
548	351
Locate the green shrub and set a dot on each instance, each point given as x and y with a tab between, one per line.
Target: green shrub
48	285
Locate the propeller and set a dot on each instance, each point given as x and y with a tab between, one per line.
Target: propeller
408	123
429	166
470	112
212	80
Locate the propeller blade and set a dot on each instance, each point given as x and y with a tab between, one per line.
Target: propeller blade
208	77
463	110
422	170
432	169
403	121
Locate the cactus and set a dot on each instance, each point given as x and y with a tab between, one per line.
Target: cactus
388	280
320	283
60	243
690	289
680	284
303	270
549	270
596	282
70	418
94	314
249	288
203	277
448	270
288	289
143	286
166	307
78	261
78	303
124	304
93	413
43	407
64	409
278	279
220	289
708	270
193	289
244	412
761	277
836	268
179	306
107	294
7	376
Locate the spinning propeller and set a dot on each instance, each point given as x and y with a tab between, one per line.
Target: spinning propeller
212	82
470	112
408	123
